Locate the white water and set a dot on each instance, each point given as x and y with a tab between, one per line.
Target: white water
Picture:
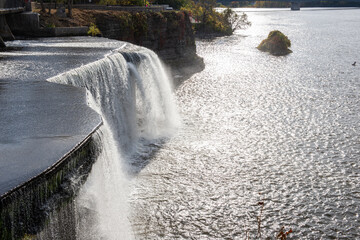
136	103
258	128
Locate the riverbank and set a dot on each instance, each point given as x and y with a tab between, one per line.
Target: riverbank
168	33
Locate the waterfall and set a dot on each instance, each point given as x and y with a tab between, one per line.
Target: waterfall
132	93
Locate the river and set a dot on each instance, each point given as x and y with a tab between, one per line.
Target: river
283	131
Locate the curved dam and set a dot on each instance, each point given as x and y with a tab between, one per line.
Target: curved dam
54	95
42	122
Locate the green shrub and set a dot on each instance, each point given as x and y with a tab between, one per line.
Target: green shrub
93	30
276	43
50	25
210	21
139	25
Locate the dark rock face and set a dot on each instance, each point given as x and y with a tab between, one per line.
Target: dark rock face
276	44
11	3
167	33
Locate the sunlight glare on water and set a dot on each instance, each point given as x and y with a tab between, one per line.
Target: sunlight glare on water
259	128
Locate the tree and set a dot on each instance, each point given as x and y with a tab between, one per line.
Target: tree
42	6
208	9
70	3
235	21
212	22
50	5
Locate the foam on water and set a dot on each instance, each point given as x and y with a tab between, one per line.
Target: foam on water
134	97
258	128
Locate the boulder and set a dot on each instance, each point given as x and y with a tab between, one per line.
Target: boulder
276	44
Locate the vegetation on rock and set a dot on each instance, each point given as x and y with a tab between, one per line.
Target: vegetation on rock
234	20
276	44
124	2
171	30
94	30
208	21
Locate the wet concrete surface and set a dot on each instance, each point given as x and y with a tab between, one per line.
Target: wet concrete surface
40	122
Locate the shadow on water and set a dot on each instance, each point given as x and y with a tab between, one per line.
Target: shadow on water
10	49
145	154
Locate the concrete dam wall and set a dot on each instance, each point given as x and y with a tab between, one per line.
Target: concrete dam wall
49	135
71	109
46	131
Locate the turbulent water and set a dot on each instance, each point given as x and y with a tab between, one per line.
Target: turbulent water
131	91
265	141
257	128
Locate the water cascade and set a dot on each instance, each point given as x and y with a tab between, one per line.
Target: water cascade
132	92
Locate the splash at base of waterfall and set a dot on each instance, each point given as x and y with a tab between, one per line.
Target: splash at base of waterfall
132	92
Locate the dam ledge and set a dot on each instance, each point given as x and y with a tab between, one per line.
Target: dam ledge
38	154
82	137
53	168
28	195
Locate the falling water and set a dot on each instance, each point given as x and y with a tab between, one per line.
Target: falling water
131	91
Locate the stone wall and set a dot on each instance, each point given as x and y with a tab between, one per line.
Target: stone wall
11	3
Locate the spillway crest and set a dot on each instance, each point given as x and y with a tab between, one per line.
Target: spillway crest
133	93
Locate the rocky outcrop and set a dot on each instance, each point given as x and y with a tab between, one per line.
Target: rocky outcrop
168	33
276	44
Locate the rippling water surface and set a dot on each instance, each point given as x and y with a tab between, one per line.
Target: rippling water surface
257	128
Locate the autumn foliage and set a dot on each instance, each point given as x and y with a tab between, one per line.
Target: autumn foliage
276	44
